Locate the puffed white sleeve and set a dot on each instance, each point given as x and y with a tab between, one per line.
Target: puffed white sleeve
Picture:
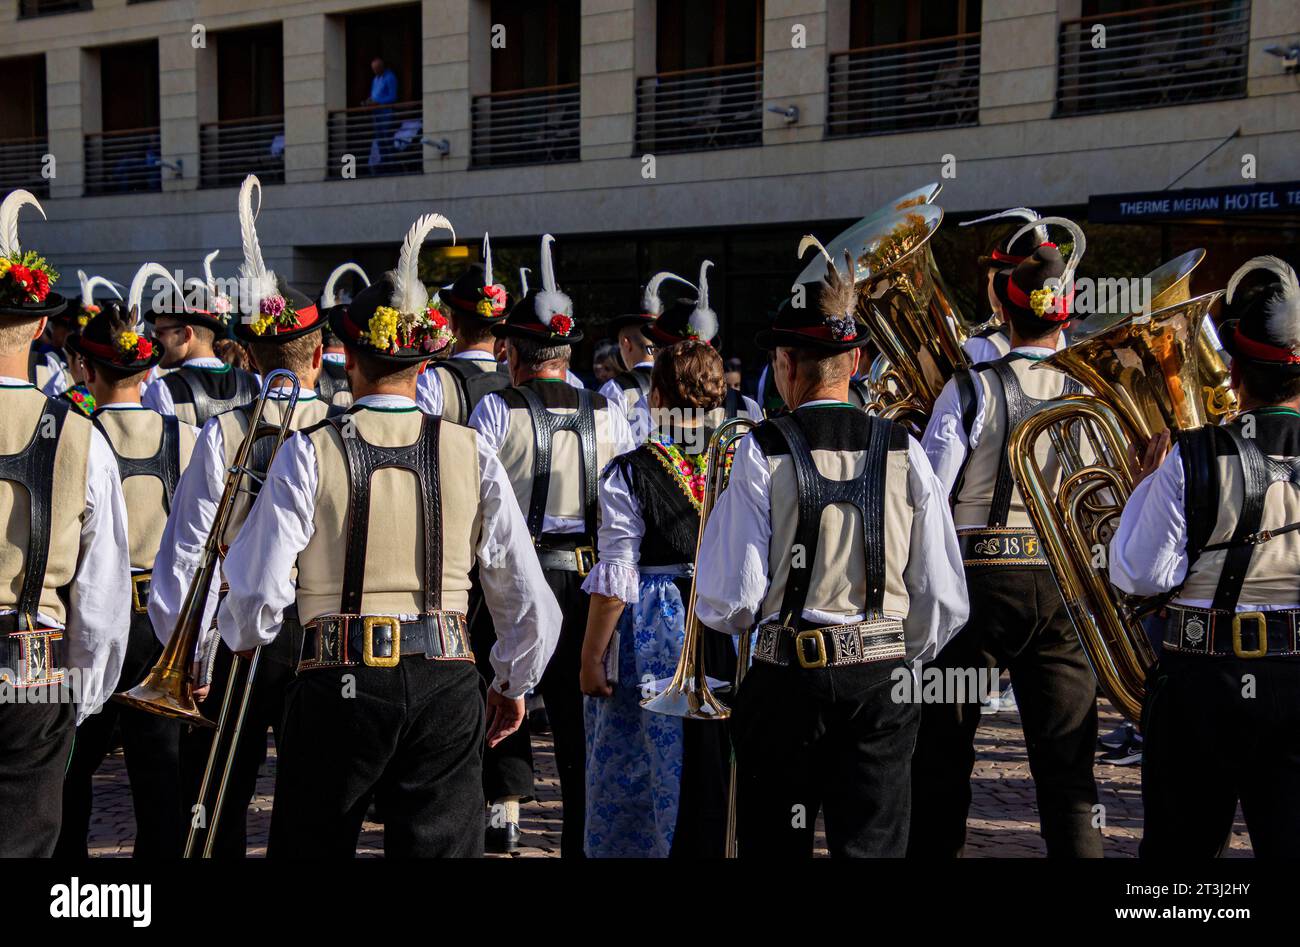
491	418
1148	554
934	576
618	540
159	397
428	393
944	440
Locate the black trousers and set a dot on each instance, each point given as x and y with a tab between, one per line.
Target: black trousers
830	737
151	745
265	710
35	742
411	737
1017	622
508	767
1217	731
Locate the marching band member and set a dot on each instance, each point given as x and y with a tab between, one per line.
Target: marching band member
553	440
384	511
629	390
62	500
475	303
201	385
656	785
694	319
151	451
1018	619
286	333
834	538
332	384
1214	525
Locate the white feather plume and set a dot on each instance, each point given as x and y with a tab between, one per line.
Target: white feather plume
327	298
409	294
810	241
550	301
523	281
704	320
1281	311
13	202
651	304
256	280
88	285
1270	263
1076	232
487	261
207	271
141	279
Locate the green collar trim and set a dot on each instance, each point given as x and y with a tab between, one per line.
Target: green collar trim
377	407
1275	410
827	404
23	385
208	368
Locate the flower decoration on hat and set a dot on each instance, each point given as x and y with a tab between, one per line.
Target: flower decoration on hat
837	299
25	277
266	309
492	295
412	319
553	308
1051	302
703	321
88	308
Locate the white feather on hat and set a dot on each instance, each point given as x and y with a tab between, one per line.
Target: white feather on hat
327	298
703	321
14	201
1282	310
550	302
523	281
1076	251
257	281
1024	213
651	304
88	284
135	296
410	296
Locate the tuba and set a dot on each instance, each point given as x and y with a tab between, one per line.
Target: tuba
1147	374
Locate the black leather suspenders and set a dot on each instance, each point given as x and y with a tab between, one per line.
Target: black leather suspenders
545	426
208	404
866	492
33	468
165	464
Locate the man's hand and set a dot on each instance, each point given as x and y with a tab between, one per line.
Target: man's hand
1157	450
593	680
505	714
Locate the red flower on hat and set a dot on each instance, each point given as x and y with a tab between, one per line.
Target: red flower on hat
143	349
561	324
23	277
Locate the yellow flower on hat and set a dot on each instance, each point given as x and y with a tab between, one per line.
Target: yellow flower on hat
260	326
4	265
383	328
127	342
1042	300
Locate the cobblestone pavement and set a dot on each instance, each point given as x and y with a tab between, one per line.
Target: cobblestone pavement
1003	820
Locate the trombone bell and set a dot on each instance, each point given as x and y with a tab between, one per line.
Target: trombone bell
166	692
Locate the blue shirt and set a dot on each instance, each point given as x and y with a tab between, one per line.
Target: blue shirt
383	88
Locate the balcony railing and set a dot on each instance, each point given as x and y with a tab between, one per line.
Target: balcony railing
700	109
21	163
30	8
1186	52
373	140
232	149
123	162
900	86
526	126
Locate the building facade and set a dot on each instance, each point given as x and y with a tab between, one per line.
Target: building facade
645	134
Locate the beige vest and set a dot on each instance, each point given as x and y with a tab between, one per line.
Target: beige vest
453	405
234	427
395	548
22	409
838	582
981	474
564	498
1274	574
137	433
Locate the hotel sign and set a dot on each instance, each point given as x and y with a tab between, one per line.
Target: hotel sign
1216	202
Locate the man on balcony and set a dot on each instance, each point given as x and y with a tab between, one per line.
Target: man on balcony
383	91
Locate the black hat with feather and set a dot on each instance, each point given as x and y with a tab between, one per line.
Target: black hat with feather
544	315
1261	312
826	320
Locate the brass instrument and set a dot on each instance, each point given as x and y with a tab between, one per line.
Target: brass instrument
688	694
168	689
1146	375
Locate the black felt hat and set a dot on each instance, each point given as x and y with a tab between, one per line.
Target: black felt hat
1039	290
821	315
476	295
109	337
1014	246
329	297
648	306
544	315
25	277
1261	312
296	316
686	318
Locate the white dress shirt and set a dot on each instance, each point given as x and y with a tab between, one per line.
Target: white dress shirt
159	397
618	541
194	507
428	389
491	418
259	565
732	570
945	440
638	418
99	600
60	379
1148	554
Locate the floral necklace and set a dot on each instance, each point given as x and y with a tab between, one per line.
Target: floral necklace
80	396
689	473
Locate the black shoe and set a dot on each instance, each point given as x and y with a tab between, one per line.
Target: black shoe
1118	737
1130	754
503	840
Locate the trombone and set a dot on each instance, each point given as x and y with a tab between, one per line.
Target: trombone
688	694
168	689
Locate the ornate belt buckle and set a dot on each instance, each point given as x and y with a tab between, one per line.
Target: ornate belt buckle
368	655
140	602
814	635
1261	622
585	558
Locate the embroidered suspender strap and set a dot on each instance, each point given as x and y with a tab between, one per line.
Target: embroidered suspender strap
206	405
165	464
1236	563
866	492
33	468
1019	406
545	425
363	459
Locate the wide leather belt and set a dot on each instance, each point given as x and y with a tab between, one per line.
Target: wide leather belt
580	560
1007	546
382	641
36	656
140	585
861	642
1223	634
